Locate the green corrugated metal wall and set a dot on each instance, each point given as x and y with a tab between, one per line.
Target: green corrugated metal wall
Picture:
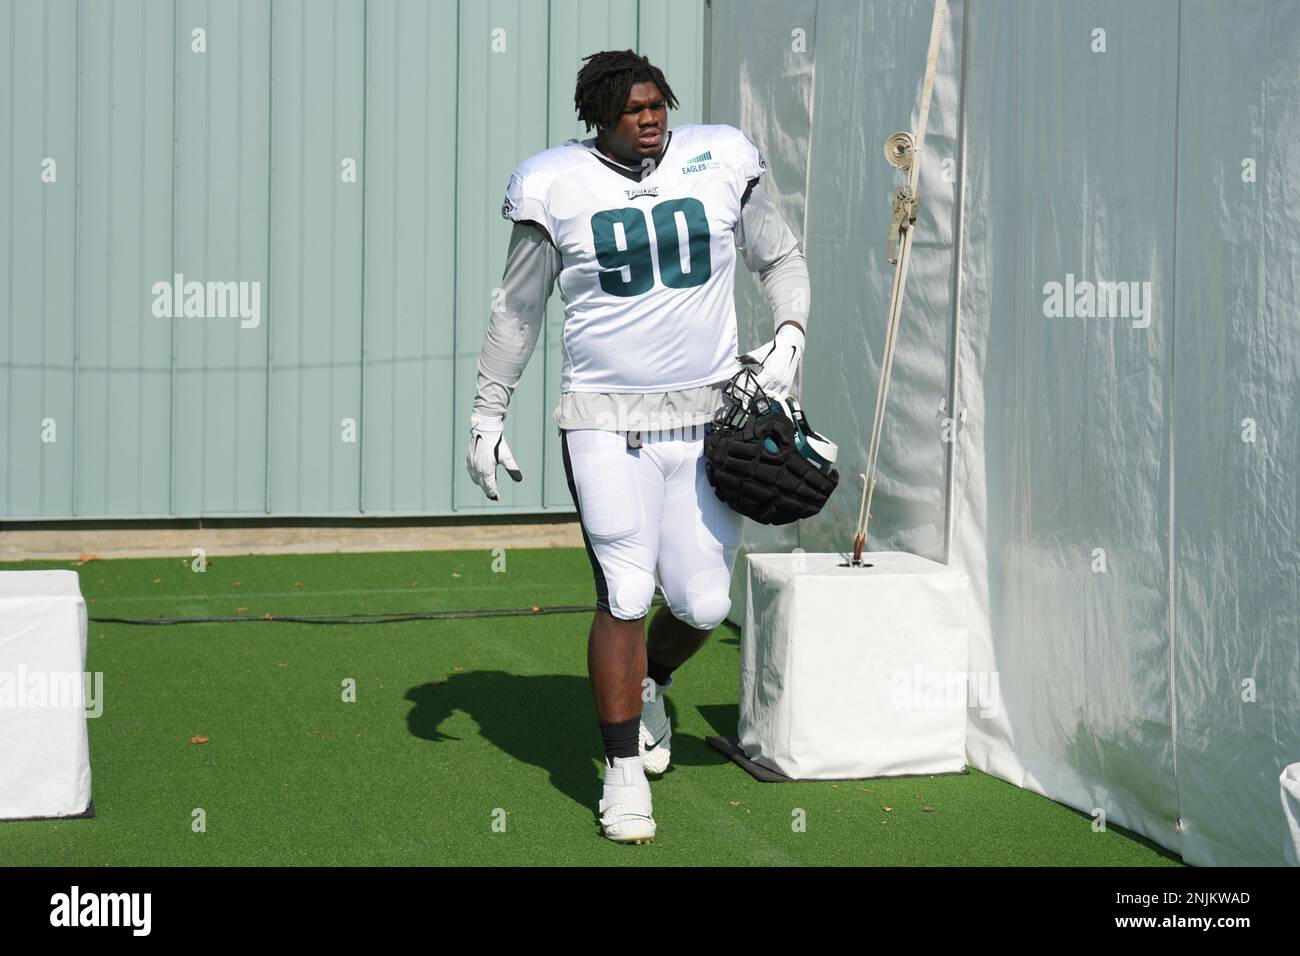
129	157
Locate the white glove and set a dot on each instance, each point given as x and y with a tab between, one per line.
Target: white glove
779	359
487	449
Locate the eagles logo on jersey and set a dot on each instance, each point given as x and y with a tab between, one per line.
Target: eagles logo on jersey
648	272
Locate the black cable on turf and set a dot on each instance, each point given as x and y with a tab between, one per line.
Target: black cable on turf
358	617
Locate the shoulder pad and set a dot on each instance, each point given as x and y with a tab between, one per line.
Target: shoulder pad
530	183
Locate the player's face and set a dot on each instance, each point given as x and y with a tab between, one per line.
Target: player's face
640	130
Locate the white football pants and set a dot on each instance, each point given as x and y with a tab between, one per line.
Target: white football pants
651	511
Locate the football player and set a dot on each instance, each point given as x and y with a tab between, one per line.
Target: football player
640	225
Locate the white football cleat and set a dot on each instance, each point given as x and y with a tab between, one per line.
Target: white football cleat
626	822
626	814
654	754
656	736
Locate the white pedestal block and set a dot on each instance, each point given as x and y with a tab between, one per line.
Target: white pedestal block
848	673
44	750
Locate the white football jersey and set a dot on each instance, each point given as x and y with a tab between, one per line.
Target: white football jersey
648	264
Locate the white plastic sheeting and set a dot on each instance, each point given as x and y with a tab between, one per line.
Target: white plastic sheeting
44	750
1123	490
1290	786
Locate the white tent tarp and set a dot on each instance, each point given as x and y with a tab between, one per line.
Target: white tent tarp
1102	311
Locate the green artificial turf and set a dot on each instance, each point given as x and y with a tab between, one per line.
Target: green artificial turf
457	725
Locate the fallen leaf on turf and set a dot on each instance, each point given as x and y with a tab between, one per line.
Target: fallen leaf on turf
457	669
929	809
199	740
234	584
735	803
84	559
434	683
241	609
888	809
157	580
281	663
297	584
454	574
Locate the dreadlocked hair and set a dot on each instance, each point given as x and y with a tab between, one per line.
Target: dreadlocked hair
606	80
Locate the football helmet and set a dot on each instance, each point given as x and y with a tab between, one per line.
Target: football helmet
763	458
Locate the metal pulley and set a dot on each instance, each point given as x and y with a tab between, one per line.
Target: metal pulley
900	152
899	149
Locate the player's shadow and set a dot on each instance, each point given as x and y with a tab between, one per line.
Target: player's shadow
548	721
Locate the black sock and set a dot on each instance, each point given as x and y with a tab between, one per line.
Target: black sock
657	672
620	738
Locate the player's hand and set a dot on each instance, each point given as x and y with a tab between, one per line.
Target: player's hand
779	359
487	449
